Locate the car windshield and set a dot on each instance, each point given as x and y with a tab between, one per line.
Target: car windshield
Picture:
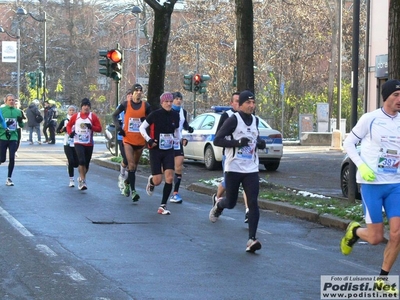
197	122
208	123
263	125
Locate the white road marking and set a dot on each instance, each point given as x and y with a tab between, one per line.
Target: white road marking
72	273
263	231
299	245
45	250
17	225
349	263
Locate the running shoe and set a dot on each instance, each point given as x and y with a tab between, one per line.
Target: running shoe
135	196
79	183
214	212
149	187
127	190
349	239
246	216
162	210
175	199
253	245
9	182
381	285
84	186
71	183
121	180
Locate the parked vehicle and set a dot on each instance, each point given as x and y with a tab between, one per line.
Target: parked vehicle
201	147
109	134
344	178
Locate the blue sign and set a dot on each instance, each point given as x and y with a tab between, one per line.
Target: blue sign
282	88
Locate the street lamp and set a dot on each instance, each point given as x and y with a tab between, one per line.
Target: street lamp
21	11
18	37
136	11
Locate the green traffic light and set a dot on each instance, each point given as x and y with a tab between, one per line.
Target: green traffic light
187	81
203	83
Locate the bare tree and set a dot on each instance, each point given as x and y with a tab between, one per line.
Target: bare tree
162	27
244	45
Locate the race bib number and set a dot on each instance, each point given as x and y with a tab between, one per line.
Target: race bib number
12	124
134	124
166	141
177	144
246	152
388	163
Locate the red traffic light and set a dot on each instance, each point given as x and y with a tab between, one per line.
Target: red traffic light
114	55
196	79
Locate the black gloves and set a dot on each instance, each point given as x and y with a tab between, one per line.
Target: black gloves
261	144
121	132
19	119
88	125
244	141
8	134
72	134
9	122
190	129
151	142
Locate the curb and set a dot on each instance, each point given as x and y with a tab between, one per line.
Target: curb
279	207
284	208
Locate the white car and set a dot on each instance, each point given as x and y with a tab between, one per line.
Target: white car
201	147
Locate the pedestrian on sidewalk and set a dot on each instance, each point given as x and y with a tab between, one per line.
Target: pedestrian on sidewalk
69	146
32	113
378	163
81	127
135	111
9	135
164	124
50	121
240	136
178	145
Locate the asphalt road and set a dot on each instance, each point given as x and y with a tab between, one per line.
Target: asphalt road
61	243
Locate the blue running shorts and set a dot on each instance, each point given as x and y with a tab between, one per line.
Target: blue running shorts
376	196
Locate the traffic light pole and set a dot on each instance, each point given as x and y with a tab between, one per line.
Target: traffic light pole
117	100
37	79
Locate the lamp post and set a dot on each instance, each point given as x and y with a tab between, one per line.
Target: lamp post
136	11
22	11
18	37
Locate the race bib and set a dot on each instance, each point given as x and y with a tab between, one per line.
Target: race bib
388	163
134	124
166	141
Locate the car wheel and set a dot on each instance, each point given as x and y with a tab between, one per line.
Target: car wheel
344	180
209	158
272	166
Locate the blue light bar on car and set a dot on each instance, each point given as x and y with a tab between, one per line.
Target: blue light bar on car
219	108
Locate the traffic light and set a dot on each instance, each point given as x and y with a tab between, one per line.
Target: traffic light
187	81
111	60
115	57
40	79
203	83
32	80
234	82
104	61
196	82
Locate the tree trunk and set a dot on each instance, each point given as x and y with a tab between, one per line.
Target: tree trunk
394	40
159	48
244	45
